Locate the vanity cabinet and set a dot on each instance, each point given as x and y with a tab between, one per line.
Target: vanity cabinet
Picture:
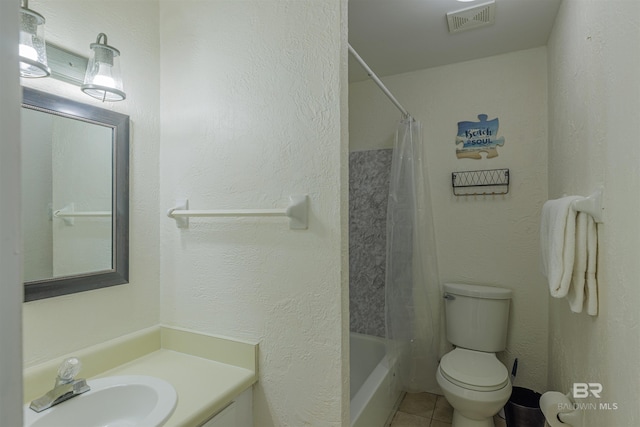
238	413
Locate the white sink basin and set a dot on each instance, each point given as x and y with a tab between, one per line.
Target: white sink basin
121	401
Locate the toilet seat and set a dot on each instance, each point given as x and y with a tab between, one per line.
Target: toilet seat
474	370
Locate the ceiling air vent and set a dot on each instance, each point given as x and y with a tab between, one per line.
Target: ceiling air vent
472	17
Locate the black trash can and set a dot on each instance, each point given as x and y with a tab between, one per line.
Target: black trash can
523	409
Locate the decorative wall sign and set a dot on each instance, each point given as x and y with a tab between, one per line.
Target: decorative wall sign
478	137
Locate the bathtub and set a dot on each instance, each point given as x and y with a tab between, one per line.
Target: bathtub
372	398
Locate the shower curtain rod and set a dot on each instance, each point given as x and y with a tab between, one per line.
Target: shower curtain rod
377	81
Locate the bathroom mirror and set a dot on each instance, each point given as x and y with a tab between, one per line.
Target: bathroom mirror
75	196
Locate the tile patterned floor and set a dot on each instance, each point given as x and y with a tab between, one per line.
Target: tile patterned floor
427	410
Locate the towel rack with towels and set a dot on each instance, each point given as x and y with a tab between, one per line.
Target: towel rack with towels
297	212
498	179
591	205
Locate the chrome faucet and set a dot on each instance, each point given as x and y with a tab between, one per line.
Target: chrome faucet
65	388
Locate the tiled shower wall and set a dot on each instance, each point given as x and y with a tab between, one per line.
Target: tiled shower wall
369	173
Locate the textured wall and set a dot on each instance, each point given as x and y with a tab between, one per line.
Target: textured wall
484	240
368	196
252	111
594	105
10	235
110	312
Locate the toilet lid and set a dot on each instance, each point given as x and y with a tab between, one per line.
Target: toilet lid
474	370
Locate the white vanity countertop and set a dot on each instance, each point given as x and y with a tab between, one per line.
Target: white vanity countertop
207	372
204	386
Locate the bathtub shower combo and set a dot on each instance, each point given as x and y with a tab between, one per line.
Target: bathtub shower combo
374	394
397	306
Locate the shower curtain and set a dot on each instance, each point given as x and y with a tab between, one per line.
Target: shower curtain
412	296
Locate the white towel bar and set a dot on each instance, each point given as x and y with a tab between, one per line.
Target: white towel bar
297	212
592	205
62	214
67	214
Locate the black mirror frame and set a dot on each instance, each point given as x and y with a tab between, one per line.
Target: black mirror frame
52	104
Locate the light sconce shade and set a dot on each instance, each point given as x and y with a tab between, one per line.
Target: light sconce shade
102	79
32	48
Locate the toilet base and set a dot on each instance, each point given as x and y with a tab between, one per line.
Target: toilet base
460	420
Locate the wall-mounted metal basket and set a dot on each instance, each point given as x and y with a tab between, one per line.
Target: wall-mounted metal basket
489	182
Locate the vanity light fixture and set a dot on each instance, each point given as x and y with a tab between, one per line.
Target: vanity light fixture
32	48
102	79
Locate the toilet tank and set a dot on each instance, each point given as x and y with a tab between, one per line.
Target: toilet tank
477	316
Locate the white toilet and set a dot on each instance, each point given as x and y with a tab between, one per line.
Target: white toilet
472	379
